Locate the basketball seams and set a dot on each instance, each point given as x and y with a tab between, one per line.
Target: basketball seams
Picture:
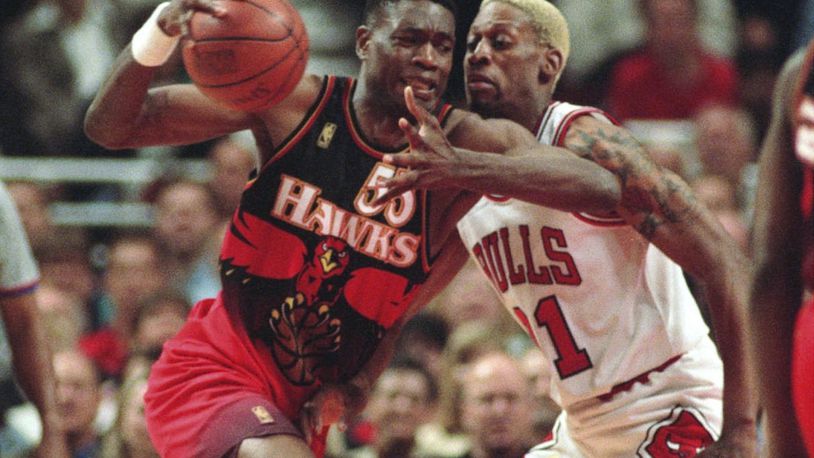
250	59
274	65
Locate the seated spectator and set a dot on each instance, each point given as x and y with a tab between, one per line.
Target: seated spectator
672	76
232	159
63	315
497	407
423	339
538	372
720	197
468	298
187	229
727	146
466	343
132	272
151	322
159	318
403	399
78	398
128	438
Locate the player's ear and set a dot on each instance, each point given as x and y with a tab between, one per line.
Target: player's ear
363	34
551	64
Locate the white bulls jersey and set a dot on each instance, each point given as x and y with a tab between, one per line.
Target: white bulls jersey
602	302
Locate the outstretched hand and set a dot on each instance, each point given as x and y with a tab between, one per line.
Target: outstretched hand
431	159
174	19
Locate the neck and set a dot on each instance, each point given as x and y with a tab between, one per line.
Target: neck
78	440
377	117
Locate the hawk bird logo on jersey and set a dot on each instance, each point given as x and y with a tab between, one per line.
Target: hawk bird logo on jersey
296	299
303	326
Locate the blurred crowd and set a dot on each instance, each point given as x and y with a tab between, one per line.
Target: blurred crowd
692	79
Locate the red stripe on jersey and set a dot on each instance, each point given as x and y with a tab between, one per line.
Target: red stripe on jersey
305	126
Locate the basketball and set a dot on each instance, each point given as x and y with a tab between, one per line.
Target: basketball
249	59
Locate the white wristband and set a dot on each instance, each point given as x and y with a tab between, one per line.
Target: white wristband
150	46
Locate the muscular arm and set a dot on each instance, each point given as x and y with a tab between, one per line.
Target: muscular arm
32	366
660	206
776	288
524	169
128	113
527	170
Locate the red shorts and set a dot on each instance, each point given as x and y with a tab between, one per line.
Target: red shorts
212	388
802	373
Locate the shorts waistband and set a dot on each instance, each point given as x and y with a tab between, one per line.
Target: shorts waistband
644	377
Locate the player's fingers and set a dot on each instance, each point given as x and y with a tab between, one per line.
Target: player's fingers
397	185
406	160
412	134
419	113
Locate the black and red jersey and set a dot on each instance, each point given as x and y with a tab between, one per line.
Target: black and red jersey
310	267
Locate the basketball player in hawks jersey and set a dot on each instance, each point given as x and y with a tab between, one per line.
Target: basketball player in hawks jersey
316	276
602	294
783	337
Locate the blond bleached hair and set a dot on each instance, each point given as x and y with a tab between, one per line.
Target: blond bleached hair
547	20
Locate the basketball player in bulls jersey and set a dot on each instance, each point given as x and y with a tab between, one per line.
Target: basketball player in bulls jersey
783	337
316	275
602	294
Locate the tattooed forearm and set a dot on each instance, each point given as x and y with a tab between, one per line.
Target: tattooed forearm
651	196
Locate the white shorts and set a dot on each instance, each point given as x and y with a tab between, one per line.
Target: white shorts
676	413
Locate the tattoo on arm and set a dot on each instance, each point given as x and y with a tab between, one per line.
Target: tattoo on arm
653	196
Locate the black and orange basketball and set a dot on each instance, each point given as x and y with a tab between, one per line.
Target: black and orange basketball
249	59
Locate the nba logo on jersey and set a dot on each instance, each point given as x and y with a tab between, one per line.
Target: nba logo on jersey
804	137
263	415
327	134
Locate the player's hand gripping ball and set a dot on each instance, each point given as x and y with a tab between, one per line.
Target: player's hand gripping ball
249	59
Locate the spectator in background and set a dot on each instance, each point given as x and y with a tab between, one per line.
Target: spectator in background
188	231
720	197
673	75
232	159
622	28
423	339
402	400
538	372
63	315
65	263
468	298
726	142
128	438
465	344
27	340
55	57
496	407
133	275
78	397
133	272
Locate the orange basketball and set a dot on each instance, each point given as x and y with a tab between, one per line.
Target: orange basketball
249	59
